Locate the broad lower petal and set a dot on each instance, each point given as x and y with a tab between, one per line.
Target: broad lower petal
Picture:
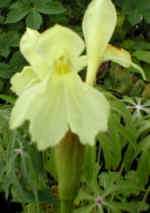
121	57
44	106
60	41
98	25
28	47
87	110
23	80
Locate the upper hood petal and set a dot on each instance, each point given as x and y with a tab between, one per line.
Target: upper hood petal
28	47
58	42
98	25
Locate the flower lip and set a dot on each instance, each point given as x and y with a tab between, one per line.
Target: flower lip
62	65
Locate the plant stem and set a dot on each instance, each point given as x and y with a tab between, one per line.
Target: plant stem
69	159
66	206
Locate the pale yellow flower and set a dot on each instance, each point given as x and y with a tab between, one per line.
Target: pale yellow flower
51	94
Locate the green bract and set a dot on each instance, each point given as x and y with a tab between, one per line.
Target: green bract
51	94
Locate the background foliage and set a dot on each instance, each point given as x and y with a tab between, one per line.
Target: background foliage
117	170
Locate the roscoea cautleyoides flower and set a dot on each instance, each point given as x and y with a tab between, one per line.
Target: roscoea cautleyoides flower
51	94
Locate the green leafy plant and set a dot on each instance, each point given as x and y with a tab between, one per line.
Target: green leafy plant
31	10
115	172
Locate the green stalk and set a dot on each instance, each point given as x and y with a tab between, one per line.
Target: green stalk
69	158
66	206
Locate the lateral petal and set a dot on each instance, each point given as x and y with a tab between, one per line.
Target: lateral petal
121	57
87	109
28	47
98	25
23	80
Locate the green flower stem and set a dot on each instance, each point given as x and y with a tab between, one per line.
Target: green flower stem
69	158
66	206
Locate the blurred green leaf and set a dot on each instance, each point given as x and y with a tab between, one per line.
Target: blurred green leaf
86	209
143	169
34	20
135	17
127	206
16	15
5	3
135	45
89	163
142	55
5	71
51	7
146	14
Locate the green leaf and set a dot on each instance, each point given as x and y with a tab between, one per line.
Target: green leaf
2	19
49	162
83	195
86	209
13	38
120	187
5	71
108	180
146	14
119	107
34	20
4	52
146	68
143	5
127	131
129	156
89	162
144	144
106	146
8	98
128	5
135	206
46	197
135	45
1	84
116	144
17	62
51	8
4	46
32	165
135	17
16	15
20	194
142	55
7	40
4	3
143	169
130	184
21	4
